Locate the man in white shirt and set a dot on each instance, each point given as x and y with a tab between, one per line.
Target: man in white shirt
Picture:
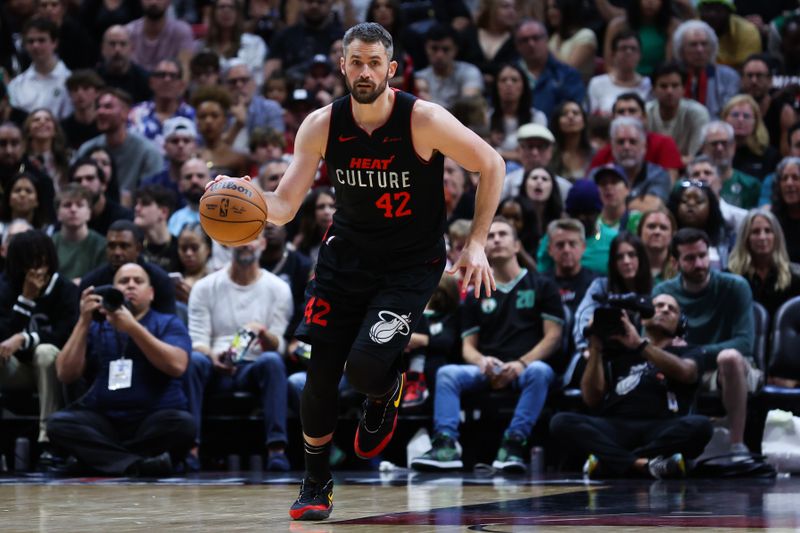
222	306
43	84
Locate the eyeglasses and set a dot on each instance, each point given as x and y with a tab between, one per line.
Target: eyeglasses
10	142
531	146
161	75
686	184
718	144
744	116
237	81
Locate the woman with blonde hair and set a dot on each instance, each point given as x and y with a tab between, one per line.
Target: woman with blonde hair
760	257
754	155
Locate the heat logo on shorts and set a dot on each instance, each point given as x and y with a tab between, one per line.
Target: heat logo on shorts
389	325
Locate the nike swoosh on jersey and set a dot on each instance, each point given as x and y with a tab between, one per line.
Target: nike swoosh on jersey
343	139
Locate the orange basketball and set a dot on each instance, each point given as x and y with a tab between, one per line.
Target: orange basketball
233	211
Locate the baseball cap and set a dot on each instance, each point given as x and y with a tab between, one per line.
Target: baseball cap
179	126
535	131
583	197
727	3
609	168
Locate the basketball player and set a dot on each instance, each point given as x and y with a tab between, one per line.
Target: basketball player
383	256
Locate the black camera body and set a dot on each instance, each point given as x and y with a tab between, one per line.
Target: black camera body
607	320
113	299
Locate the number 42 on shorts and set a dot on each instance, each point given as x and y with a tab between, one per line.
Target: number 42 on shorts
316	309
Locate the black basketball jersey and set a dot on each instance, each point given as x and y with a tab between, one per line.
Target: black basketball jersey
389	202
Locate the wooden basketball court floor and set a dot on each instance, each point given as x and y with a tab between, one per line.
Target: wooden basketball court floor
397	502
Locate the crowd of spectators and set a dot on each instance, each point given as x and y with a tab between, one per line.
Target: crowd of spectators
651	147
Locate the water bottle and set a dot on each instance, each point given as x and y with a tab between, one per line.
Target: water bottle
537	460
22	450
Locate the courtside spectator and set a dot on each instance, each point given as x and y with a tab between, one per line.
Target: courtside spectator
719	310
38	308
79	248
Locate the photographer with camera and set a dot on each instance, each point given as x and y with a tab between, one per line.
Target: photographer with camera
507	339
134	418
628	272
643	388
38	308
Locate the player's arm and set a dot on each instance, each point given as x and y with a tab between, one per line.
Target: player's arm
282	205
435	129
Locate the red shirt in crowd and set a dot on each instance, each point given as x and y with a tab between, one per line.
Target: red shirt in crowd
661	150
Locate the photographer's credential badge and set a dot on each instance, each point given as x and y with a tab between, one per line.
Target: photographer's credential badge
120	372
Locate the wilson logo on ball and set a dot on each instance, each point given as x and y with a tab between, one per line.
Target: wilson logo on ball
389	325
233	187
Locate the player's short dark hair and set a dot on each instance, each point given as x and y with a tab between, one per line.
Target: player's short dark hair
159	194
666	69
687	236
440	32
84	78
127	225
41	24
369	32
630	96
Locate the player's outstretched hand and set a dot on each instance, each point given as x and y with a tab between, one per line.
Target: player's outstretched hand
476	269
224	177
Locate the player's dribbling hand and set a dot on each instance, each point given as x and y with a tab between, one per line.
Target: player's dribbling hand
476	269
224	177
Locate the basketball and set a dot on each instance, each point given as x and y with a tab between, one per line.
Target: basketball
233	211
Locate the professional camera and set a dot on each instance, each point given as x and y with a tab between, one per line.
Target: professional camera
607	320
113	299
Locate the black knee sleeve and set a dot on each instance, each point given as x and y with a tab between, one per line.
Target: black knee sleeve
370	374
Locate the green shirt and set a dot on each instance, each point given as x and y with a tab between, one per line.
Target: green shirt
741	190
77	258
597	246
720	316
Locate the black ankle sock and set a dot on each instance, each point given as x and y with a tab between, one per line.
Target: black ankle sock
318	459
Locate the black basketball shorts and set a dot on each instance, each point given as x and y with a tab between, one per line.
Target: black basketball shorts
359	301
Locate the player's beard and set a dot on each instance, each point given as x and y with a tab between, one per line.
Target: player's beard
366	98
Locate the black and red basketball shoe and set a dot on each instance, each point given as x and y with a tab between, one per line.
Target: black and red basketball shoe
315	501
378	422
